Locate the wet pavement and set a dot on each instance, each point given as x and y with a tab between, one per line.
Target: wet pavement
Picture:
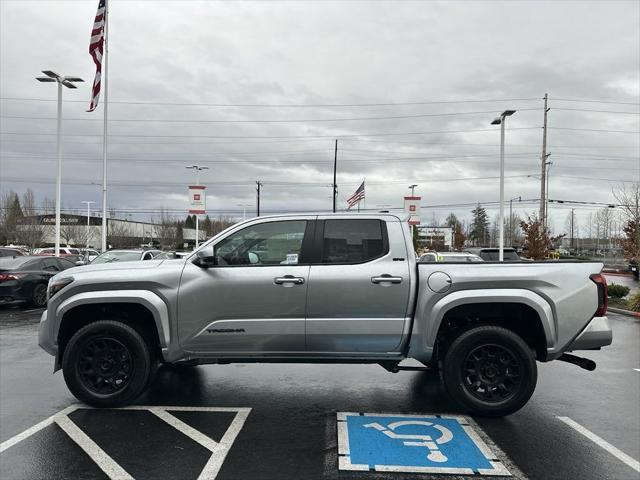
290	431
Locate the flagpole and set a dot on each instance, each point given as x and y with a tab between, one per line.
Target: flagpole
105	82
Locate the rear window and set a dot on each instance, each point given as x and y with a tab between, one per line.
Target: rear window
109	257
353	241
494	255
22	263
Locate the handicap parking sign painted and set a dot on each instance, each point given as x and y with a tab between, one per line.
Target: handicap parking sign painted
413	443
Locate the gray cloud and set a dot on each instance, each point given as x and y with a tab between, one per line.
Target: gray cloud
325	53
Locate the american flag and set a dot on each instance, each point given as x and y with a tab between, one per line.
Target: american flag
96	50
357	196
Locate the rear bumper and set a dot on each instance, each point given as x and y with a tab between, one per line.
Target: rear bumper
595	335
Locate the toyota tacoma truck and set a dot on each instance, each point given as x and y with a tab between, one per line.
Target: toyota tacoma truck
336	288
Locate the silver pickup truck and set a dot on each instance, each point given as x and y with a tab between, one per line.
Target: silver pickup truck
340	288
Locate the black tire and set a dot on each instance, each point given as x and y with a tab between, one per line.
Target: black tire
490	371
107	364
39	295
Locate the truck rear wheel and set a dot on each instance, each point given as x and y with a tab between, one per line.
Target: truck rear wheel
106	364
490	371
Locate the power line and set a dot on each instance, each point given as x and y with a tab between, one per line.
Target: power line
593	130
386	142
350	135
303	120
593	101
282	105
598	111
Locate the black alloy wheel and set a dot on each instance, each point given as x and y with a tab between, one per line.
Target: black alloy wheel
105	365
39	295
489	370
492	373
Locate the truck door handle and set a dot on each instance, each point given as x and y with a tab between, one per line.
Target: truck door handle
386	278
288	279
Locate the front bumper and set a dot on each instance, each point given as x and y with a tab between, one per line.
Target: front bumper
45	339
595	335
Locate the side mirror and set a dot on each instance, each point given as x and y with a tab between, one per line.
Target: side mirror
205	262
79	263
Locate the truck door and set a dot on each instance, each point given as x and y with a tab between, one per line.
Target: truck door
359	286
253	298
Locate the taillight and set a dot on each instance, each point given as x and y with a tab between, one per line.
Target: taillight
5	277
603	294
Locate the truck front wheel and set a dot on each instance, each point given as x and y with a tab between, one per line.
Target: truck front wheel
490	371
106	364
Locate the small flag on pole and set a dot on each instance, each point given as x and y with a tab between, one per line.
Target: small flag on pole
96	50
357	197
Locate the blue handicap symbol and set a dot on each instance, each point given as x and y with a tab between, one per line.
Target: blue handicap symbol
413	441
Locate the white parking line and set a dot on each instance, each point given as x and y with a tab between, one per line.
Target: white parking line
36	428
188	430
619	454
99	456
219	450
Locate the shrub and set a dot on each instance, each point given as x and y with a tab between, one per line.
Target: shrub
618	291
634	302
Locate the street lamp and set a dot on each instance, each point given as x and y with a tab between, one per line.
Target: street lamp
197	168
67	82
501	120
413	187
88	222
244	209
519	198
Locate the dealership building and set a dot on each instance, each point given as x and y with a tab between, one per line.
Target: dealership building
87	230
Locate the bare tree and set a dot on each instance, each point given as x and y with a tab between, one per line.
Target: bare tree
629	197
166	228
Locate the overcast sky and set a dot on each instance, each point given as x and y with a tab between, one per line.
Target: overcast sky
457	64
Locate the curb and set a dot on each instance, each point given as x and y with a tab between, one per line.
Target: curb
628	313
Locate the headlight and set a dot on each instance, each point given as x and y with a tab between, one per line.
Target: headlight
56	285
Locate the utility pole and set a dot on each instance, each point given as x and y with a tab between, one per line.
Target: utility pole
335	168
259	186
511	219
571	244
543	171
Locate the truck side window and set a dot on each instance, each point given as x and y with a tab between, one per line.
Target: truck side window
352	241
273	243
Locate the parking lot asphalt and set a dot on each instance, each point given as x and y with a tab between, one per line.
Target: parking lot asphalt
290	430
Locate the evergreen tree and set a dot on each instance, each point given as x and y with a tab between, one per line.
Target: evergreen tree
479	233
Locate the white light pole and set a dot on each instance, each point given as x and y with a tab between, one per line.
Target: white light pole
88	220
244	209
67	82
197	168
501	120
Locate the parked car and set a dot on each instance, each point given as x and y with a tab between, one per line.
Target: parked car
10	252
63	251
451	257
339	288
171	255
634	269
493	254
24	278
89	254
125	256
